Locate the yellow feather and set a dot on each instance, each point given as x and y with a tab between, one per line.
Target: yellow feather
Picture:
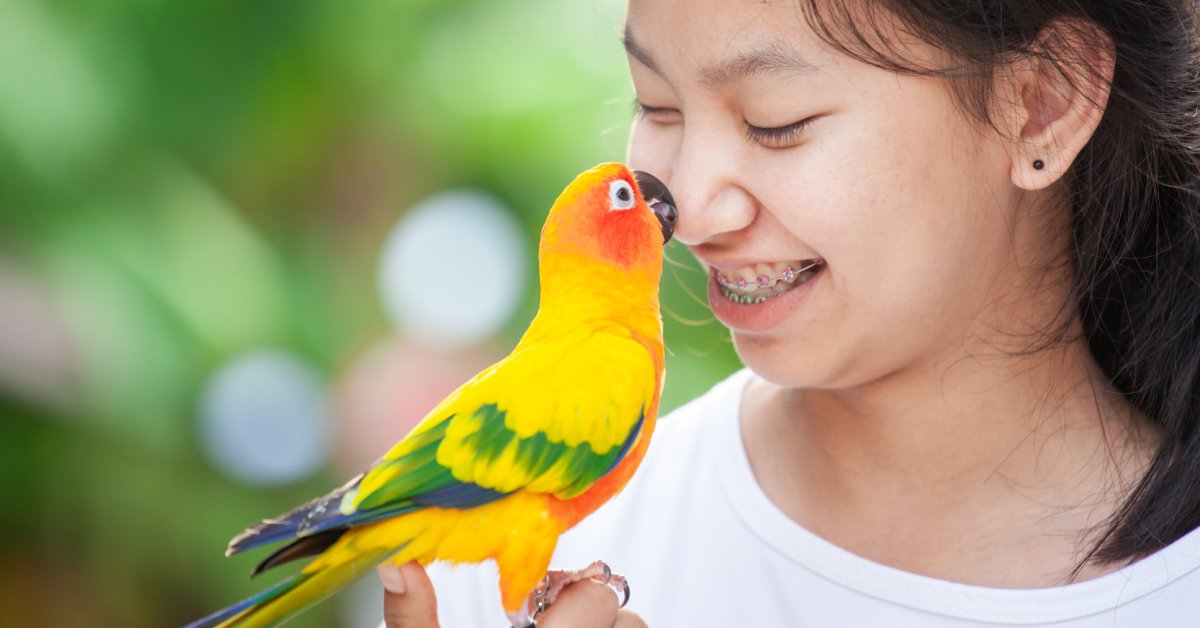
551	480
504	473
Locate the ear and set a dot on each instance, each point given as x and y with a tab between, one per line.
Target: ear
1055	98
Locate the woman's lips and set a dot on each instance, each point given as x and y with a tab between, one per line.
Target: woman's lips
756	307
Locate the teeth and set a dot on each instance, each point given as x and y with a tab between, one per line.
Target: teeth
760	282
756	278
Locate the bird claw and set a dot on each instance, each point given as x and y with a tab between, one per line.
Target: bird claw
598	571
617	583
553	583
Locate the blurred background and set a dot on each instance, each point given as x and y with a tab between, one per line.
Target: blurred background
244	246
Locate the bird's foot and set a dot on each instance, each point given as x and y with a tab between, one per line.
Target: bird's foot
599	571
557	579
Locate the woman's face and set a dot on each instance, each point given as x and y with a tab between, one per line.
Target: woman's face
781	153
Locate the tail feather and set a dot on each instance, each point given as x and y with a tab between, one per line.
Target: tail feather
318	515
278	603
258	599
302	547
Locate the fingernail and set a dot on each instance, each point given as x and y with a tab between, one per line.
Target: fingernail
392	579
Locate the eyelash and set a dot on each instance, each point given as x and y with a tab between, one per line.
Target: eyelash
643	111
769	137
777	137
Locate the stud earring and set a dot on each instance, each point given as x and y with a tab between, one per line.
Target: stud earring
1038	164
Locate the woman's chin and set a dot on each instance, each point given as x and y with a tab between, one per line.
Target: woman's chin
776	361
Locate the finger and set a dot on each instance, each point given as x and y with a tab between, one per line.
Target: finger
584	604
629	619
408	597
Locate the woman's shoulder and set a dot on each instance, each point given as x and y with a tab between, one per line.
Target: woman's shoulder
679	484
683	440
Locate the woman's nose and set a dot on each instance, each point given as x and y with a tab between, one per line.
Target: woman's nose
709	196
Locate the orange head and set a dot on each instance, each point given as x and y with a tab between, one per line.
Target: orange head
604	217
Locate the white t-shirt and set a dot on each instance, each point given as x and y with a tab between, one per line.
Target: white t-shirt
701	545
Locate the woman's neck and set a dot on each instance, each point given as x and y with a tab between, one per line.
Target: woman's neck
1012	462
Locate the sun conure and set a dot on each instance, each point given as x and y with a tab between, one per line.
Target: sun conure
528	447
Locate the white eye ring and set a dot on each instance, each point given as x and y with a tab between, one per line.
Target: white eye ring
620	195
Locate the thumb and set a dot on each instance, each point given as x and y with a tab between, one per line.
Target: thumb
408	598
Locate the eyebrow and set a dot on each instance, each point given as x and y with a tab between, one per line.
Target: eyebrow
636	51
769	59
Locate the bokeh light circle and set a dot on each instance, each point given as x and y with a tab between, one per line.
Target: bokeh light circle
264	418
452	270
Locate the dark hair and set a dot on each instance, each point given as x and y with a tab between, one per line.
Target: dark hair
1133	196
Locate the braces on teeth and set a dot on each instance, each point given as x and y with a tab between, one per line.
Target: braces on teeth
788	275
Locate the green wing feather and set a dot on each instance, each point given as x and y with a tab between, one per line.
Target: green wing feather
510	429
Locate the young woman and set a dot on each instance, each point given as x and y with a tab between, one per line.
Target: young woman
957	245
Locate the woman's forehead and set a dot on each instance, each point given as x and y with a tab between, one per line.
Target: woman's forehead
717	42
765	58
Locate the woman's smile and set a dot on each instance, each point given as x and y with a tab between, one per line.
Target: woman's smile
756	298
753	284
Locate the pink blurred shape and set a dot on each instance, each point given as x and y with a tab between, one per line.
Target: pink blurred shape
389	387
38	356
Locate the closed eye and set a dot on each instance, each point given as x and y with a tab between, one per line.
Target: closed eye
663	115
779	136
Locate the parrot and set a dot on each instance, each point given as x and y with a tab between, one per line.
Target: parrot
524	450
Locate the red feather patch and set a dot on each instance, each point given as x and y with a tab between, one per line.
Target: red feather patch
622	237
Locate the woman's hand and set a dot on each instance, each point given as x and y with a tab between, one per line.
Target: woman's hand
409	602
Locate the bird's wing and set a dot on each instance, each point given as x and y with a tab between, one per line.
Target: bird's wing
551	418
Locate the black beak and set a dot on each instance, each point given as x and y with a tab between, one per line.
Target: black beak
658	198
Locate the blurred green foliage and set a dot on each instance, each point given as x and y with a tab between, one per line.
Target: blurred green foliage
182	181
